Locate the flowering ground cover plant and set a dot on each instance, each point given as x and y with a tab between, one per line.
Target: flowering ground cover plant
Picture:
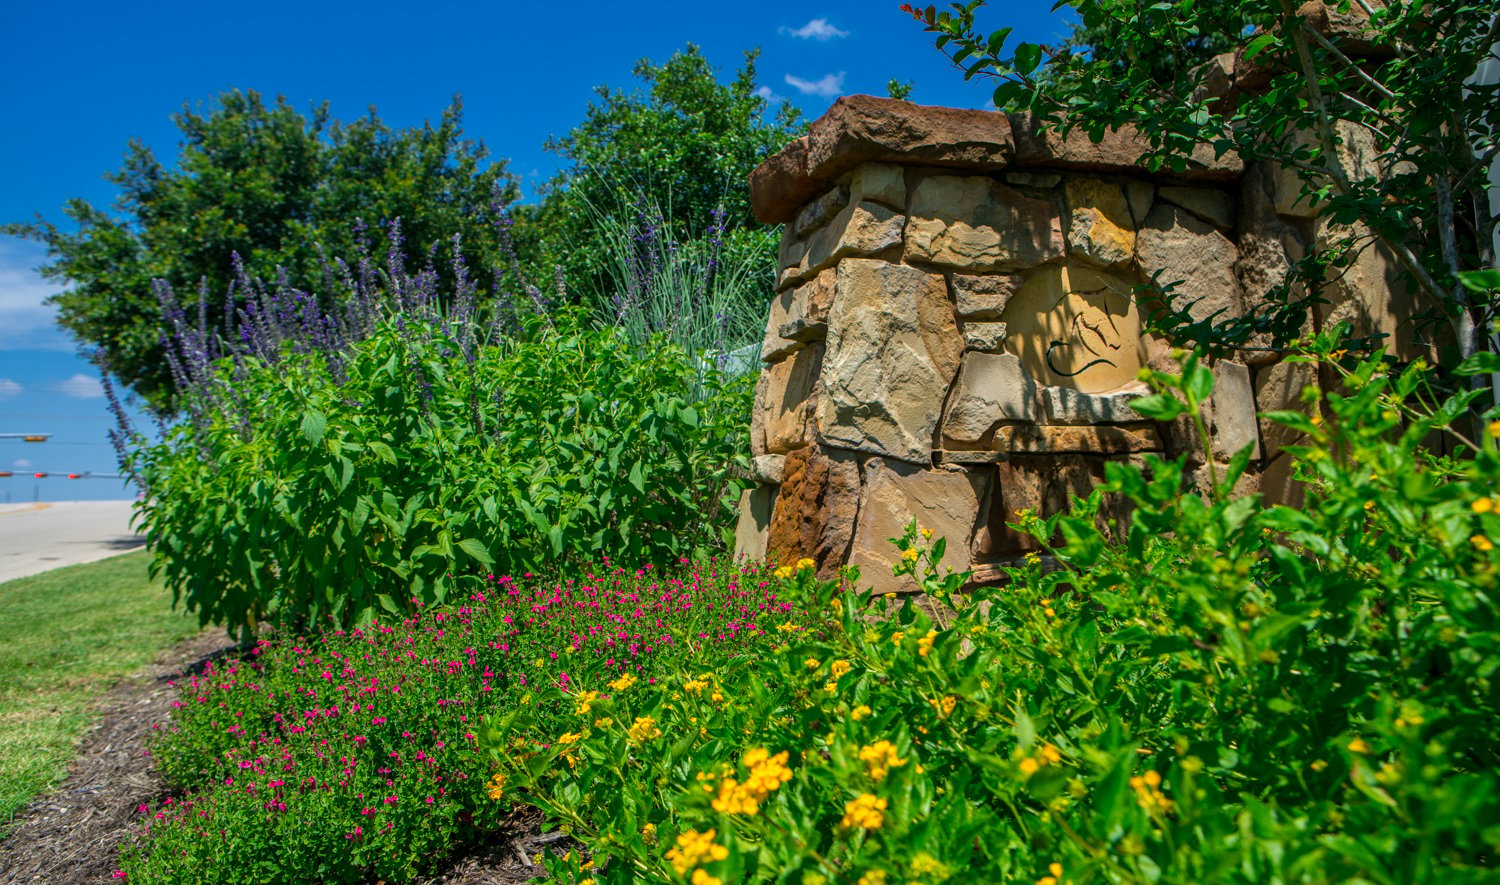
355	754
1232	693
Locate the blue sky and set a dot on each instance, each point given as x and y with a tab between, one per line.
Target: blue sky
78	80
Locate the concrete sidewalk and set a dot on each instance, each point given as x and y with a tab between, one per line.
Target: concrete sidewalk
35	538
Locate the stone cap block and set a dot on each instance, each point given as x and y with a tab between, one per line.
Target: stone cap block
781	186
862	129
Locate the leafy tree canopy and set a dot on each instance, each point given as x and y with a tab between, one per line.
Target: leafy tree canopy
687	144
279	189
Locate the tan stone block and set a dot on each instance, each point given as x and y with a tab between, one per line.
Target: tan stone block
1234	423
983	297
758	414
1038	180
792	253
862	229
991	389
1278	488
817	213
1279	388
1357	153
1213	206
782	419
964	457
883	183
1215	80
754	523
1037	439
977	224
1075	326
945	501
767	468
773	347
1100	224
1193	254
1200	480
1372	298
816	508
807	304
1042	484
1346	26
984	337
1268	246
893	348
1064	405
1141	196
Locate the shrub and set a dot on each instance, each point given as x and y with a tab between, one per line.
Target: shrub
352	756
1232	693
341	466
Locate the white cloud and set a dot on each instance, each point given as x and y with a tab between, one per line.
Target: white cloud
21	464
26	322
770	96
80	386
9	388
829	86
818	29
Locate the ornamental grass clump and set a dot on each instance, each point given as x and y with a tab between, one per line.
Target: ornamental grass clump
353	756
1219	691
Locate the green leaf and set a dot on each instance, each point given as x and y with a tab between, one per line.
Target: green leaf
1025	728
1198	381
1028	57
637	477
476	549
1158	406
383	452
997	40
1260	44
1481	281
314	425
1481	363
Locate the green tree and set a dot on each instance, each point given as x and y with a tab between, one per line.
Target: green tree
279	189
687	144
1307	79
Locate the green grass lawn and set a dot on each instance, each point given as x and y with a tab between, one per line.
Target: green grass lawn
66	636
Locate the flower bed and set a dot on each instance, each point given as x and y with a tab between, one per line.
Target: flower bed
356	754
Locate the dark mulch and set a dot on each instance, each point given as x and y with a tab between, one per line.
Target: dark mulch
73	836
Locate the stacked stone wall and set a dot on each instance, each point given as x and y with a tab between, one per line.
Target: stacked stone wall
957	335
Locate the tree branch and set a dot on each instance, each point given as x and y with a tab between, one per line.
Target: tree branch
1350	64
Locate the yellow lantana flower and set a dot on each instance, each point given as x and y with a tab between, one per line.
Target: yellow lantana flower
924	645
880	757
866	812
644	729
693	848
767	774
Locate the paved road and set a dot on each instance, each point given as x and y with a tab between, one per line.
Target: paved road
37	537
